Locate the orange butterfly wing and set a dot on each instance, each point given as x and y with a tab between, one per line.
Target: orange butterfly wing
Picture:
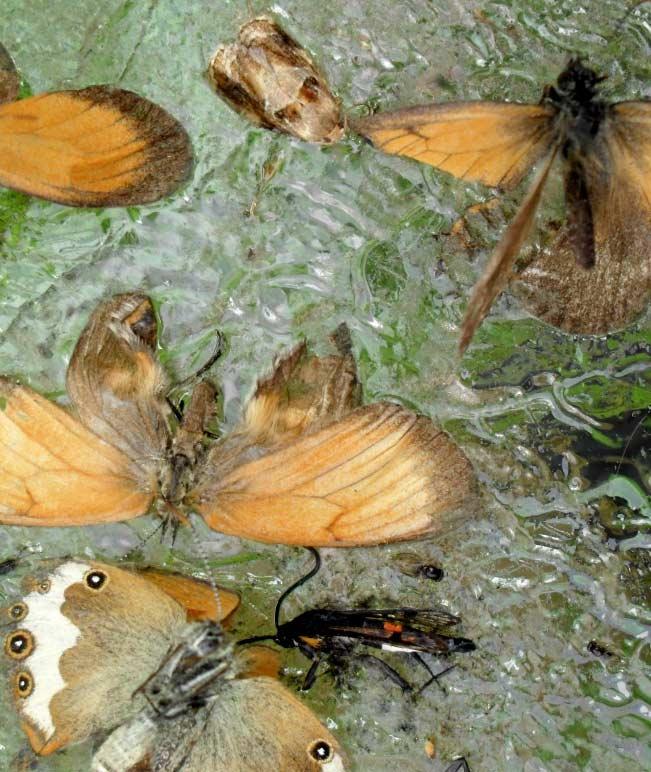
202	601
99	146
496	143
378	475
53	471
617	288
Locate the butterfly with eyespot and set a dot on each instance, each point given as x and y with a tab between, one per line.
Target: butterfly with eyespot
97	146
307	465
95	647
332	634
596	276
85	634
202	717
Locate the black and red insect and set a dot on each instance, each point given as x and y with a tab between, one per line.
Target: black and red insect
338	634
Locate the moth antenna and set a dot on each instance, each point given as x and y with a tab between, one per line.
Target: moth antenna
160	525
179	410
297	584
176	410
630	439
288	591
206	566
216	355
283	597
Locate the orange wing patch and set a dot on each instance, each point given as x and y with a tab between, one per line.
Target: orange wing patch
490	142
197	597
95	147
379	475
53	471
257	661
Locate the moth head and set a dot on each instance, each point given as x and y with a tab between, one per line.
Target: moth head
578	83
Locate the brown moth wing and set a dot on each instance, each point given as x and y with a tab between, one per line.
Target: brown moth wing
9	78
53	471
303	391
380	474
200	599
616	290
498	269
116	384
267	77
99	146
496	143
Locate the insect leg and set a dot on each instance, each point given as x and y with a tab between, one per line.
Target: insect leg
436	679
432	676
310	677
390	672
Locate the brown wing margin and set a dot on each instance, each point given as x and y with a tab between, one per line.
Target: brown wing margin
55	472
99	146
496	143
617	288
9	79
381	474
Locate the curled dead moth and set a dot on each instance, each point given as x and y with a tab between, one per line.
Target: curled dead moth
324	634
85	634
307	465
267	77
97	146
596	275
93	647
9	78
202	714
